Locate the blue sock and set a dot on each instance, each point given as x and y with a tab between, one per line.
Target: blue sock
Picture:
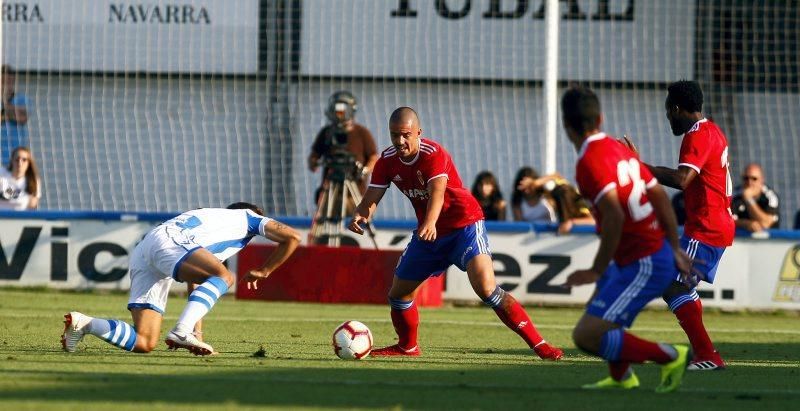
201	300
400	305
120	334
611	344
496	298
677	300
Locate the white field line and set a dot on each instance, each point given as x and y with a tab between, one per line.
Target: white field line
430	321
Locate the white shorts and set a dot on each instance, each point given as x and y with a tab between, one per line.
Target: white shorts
154	265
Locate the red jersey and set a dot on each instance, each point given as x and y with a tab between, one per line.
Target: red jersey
460	209
708	197
604	164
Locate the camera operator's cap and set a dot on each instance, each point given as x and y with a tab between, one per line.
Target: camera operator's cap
342	107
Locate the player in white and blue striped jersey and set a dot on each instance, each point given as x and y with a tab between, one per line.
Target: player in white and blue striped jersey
188	248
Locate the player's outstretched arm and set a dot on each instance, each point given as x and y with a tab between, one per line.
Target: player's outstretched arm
610	235
287	238
676	178
436	189
365	209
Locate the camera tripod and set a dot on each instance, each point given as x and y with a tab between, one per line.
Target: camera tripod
332	210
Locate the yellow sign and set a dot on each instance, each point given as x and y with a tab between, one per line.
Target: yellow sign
788	289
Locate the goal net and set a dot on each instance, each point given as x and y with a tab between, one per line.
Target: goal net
166	106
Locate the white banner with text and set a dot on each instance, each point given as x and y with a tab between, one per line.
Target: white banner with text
191	36
85	254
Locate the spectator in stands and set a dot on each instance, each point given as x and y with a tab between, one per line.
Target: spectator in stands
571	207
20	186
13	128
486	190
549	199
754	204
526	200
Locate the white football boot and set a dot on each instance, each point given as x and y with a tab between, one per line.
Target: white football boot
177	339
75	325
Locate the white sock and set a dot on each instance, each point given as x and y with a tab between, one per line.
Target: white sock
201	300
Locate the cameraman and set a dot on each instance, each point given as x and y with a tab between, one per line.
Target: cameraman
344	134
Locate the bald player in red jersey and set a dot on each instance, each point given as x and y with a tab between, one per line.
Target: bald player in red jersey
450	231
703	174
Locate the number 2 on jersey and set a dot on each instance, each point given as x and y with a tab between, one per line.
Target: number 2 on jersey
627	173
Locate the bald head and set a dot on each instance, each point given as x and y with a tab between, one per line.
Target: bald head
755	167
404	115
753	175
405	132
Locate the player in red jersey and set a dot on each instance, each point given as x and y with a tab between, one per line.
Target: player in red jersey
450	231
638	229
704	177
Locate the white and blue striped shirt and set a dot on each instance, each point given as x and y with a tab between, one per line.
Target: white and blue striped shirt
221	231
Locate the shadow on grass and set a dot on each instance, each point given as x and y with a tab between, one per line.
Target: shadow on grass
388	383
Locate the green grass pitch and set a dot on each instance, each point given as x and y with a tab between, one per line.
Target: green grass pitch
470	361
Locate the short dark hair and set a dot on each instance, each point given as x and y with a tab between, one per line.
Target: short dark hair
241	205
685	94
580	108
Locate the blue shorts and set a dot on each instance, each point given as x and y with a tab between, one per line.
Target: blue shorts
623	291
422	259
706	257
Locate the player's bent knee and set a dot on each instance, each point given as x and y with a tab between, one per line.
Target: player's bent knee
586	339
145	345
228	278
675	289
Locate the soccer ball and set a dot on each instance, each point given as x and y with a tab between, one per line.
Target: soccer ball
352	340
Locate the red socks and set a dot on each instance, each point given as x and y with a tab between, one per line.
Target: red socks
405	324
637	350
690	317
514	317
618	369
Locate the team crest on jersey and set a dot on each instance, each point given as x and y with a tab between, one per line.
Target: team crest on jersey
419	177
788	288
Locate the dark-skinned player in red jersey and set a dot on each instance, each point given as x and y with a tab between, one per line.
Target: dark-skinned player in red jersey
703	175
450	231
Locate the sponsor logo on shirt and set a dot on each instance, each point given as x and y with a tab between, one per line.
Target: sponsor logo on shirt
415	193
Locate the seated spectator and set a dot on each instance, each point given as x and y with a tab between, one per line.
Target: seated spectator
571	207
526	200
486	190
551	199
754	205
20	186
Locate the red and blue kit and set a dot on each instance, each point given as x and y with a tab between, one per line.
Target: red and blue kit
709	224
461	234
460	209
604	164
644	265
708	197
